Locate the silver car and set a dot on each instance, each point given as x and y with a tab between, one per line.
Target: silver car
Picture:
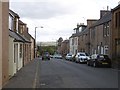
81	57
69	56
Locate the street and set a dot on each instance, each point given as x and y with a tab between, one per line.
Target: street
59	73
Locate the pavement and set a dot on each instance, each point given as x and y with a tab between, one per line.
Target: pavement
26	77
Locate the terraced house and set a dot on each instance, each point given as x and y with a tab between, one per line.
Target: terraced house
17	45
75	39
100	34
21	44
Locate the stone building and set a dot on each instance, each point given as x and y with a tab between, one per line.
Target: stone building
115	35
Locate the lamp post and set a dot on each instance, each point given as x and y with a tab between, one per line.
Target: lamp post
35	33
36	41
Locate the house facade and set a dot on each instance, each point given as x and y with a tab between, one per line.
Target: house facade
23	31
83	41
100	34
65	47
60	40
15	45
115	36
95	37
21	44
75	44
32	40
4	14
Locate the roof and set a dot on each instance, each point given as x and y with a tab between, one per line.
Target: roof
80	33
13	13
104	19
117	7
18	37
31	36
22	23
15	36
24	38
66	41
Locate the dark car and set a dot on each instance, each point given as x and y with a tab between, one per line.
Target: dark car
46	56
98	60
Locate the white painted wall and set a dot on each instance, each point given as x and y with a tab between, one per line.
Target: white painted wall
12	64
71	46
74	47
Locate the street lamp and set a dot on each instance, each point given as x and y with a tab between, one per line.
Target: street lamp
35	40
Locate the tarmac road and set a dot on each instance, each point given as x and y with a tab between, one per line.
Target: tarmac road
59	73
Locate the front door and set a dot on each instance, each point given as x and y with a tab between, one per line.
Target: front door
16	55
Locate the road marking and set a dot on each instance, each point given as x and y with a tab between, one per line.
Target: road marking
36	75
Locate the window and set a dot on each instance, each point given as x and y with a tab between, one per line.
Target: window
116	20
75	41
119	19
72	41
11	22
20	50
106	30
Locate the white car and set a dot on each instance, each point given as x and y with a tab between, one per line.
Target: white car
69	56
81	57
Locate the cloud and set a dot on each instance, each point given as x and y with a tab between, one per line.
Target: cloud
39	10
58	17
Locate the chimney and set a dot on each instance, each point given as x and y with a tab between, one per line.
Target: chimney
103	12
90	22
107	8
27	30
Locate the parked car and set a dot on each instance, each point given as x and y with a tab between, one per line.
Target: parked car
73	58
45	56
57	56
69	56
81	57
97	60
51	56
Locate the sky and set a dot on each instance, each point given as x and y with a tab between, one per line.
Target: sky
58	17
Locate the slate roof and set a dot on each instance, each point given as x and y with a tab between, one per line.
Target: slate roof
15	36
13	13
24	38
66	41
104	19
80	33
18	37
117	7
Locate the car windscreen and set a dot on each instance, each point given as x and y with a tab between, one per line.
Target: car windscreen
69	55
82	54
86	54
102	57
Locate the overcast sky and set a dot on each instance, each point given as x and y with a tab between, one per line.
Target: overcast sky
58	17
